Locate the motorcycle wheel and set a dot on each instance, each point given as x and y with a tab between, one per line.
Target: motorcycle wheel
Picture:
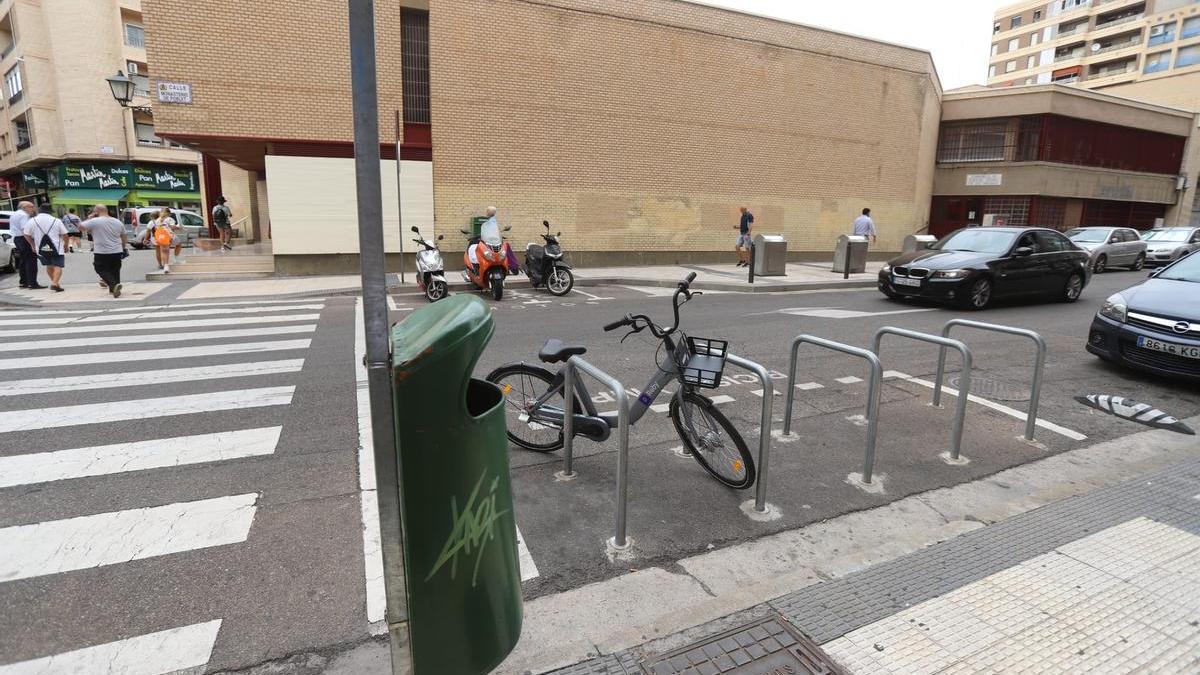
436	290
497	288
560	281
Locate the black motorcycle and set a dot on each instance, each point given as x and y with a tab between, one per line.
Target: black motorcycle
544	265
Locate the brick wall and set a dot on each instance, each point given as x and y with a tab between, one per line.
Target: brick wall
644	125
277	70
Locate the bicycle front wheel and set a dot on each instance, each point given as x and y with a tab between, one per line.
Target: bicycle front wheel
712	440
522	385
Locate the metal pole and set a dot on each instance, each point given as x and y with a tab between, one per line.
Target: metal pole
846	264
751	265
941	371
400	194
620	541
568	419
364	96
764	428
1035	395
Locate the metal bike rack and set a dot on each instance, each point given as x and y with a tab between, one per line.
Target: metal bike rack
764	428
965	390
619	542
1039	364
872	391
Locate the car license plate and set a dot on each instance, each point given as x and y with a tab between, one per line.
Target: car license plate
903	281
1186	351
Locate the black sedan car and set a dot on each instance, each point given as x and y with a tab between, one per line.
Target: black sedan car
1154	326
973	266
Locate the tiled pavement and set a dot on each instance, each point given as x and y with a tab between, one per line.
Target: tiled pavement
1104	582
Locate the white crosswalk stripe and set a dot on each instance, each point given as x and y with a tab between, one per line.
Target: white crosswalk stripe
103	460
171	354
121	536
164	325
167	406
45	353
76	343
47	385
168	651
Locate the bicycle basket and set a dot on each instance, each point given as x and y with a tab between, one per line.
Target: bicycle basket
701	361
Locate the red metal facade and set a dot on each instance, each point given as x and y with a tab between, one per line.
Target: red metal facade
1074	141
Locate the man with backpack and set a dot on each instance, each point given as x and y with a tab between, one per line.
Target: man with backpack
222	218
27	265
46	235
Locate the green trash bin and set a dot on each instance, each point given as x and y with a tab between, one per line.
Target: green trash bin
463	573
477	224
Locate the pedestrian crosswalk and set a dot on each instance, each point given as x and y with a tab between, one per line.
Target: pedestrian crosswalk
77	374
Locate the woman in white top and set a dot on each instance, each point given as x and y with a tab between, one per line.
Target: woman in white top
163	234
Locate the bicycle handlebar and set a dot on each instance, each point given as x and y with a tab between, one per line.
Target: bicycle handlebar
659	332
617	324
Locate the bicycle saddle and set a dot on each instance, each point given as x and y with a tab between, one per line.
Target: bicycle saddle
555	351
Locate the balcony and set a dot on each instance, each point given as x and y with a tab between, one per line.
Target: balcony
1117	46
1078	53
1119	21
1067	32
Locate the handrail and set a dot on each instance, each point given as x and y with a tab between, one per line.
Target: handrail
872	392
965	388
1038	365
619	542
764	428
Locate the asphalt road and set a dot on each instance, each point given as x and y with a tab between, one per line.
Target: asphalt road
247	547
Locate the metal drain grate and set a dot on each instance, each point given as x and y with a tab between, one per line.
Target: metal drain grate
766	646
997	390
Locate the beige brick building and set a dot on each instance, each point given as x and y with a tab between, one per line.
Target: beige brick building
63	137
637	128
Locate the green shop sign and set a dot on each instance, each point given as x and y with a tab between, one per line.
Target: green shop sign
34	178
125	176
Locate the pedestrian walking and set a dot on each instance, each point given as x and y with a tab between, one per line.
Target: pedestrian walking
864	226
163	235
47	236
28	267
744	241
223	219
109	246
72	222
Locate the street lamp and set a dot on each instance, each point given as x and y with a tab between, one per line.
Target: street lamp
122	90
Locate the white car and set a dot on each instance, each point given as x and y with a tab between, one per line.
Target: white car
137	221
8	250
1165	245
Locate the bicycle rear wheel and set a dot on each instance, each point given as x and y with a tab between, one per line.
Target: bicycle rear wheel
522	385
712	440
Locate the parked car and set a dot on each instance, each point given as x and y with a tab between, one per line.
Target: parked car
1111	247
8	250
973	266
1165	245
137	221
1155	325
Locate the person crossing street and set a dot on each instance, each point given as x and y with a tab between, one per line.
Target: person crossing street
109	243
28	267
47	236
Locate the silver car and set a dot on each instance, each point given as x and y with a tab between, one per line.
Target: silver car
1111	247
1165	245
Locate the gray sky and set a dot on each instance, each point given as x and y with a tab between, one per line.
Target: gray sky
957	32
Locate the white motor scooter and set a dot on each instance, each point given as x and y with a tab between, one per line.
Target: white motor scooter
431	272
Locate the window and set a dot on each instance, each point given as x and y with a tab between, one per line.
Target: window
135	35
1051	242
1033	38
995	28
13	86
1157	62
190	220
995	48
1016	22
21	131
1191	28
1032	61
991	71
1162	33
1037	15
8	38
414	48
1014	44
1010	66
975	141
1187	56
145	134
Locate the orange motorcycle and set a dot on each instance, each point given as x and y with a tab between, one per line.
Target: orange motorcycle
488	259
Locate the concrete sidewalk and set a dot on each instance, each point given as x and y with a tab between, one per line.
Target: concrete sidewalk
801	276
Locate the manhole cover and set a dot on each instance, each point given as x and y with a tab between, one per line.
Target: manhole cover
765	647
997	390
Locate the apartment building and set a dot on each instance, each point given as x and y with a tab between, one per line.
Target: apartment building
63	137
637	127
1094	44
1060	156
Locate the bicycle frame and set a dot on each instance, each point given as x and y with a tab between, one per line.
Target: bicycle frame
604	423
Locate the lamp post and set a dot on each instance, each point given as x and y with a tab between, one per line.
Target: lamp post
123	90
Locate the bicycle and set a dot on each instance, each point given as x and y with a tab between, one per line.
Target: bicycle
535	399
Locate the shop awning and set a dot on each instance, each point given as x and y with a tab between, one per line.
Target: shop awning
163	196
89	196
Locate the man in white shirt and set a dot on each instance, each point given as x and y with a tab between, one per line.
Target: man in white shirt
16	227
46	236
108	246
864	226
